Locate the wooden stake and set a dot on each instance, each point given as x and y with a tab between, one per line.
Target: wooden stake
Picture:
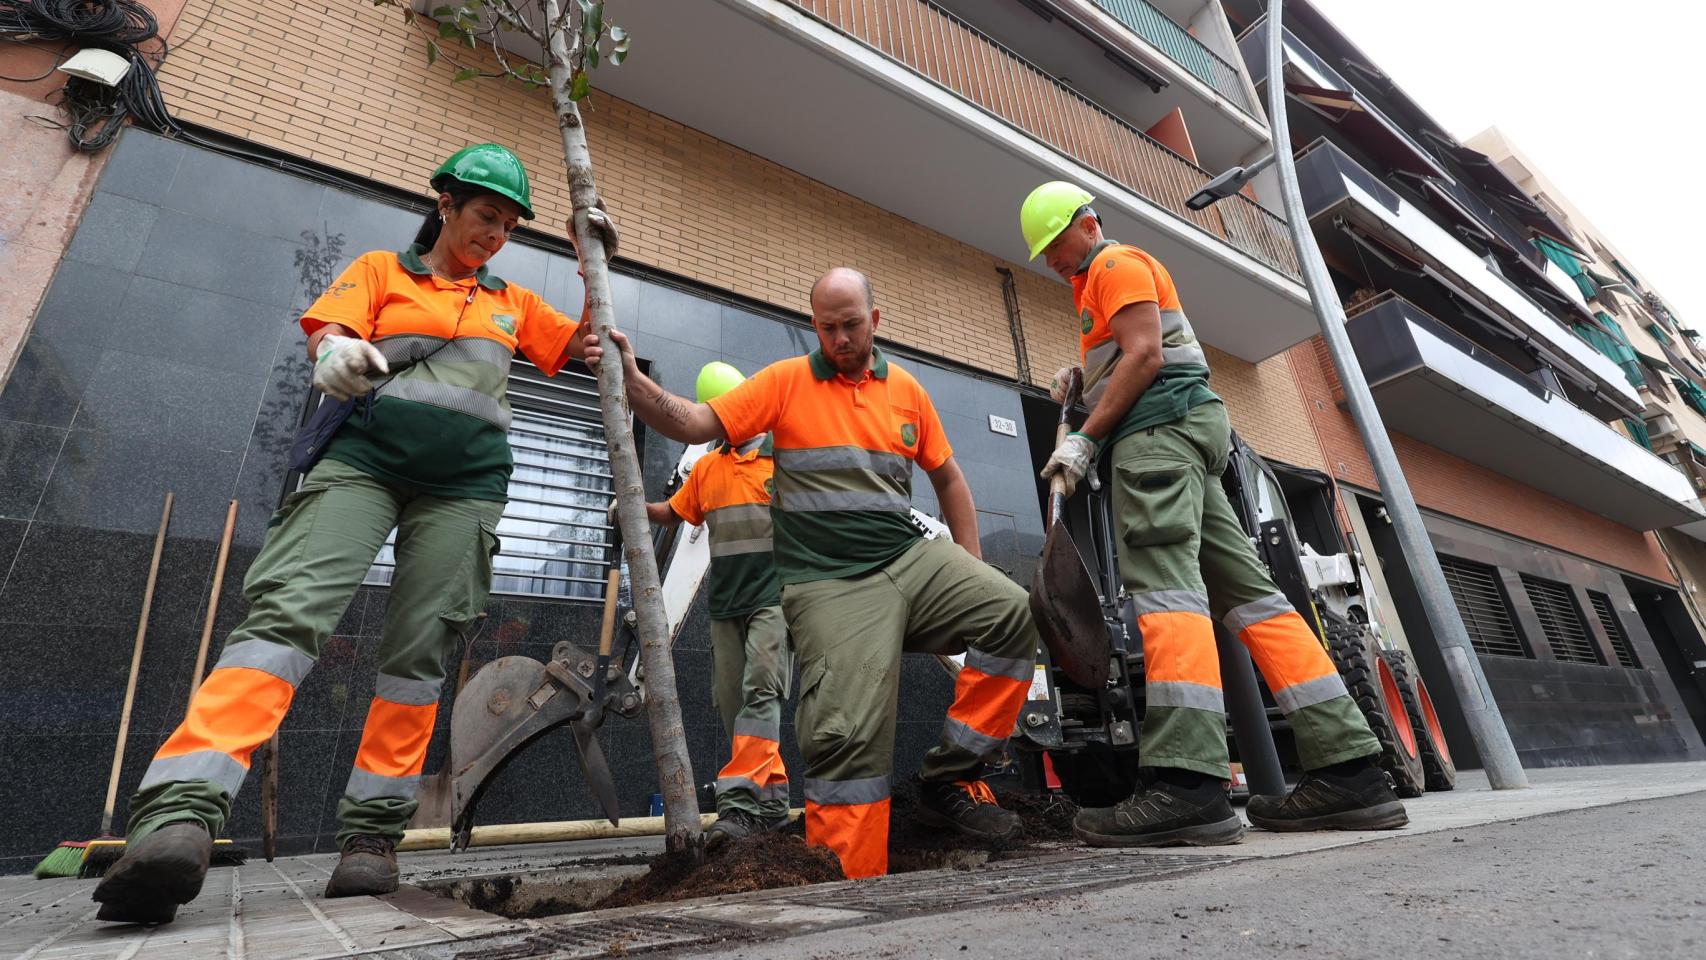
135	669
213	600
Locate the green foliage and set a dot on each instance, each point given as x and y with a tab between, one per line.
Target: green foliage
592	42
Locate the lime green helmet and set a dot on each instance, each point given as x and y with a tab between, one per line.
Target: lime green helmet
1048	211
715	379
491	167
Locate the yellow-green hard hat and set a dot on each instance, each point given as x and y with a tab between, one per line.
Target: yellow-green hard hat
488	165
1048	211
715	379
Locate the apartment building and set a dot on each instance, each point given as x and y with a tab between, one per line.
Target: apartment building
1510	410
745	147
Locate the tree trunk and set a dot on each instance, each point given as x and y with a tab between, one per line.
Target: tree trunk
663	705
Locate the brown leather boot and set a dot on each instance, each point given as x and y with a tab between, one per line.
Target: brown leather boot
156	874
368	868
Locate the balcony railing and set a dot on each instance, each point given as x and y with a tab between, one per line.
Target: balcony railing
945	49
1185	50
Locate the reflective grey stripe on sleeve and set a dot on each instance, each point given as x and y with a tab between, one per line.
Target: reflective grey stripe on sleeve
1001	666
286	663
755	727
957	733
1181	693
751	445
371	786
776	791
1174	321
1169	601
821	501
408	692
1190	353
845	458
1245	616
731	548
1310	692
841	793
460	399
220	769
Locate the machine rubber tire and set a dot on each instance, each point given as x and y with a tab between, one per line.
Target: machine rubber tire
1376	692
1439	772
1096	775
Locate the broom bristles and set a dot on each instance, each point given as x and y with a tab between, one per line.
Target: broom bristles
66	860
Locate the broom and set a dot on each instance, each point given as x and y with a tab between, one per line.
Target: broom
67	859
103	853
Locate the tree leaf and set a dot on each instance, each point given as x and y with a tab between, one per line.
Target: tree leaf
591	56
580	86
619	49
592	24
466	73
448	29
432	52
440	13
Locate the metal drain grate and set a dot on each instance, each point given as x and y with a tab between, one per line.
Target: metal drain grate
916	892
620	937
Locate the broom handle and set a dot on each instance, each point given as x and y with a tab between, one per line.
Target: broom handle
135	668
213	600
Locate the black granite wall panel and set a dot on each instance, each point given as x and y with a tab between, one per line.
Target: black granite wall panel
166	357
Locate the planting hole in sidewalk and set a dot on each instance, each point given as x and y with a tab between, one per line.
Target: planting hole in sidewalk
764	862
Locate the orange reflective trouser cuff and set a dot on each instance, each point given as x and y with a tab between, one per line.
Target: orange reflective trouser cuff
851	818
1327	724
1184	720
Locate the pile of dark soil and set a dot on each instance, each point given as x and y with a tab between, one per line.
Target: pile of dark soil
767	861
1045	816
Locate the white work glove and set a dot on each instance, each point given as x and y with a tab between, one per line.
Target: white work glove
1057	389
1071	460
602	224
343	364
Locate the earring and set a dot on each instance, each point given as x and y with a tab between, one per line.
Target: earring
441	218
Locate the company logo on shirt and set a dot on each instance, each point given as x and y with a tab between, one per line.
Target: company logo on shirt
908	434
1084	316
505	322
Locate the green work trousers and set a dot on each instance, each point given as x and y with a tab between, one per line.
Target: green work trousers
750	671
849	635
1187	564
318	549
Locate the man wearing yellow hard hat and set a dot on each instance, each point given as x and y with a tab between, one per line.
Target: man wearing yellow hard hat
1186	562
729	491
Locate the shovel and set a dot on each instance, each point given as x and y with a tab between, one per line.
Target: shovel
1064	602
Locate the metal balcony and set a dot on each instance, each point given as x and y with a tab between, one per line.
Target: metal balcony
1433	384
1177	43
1349	207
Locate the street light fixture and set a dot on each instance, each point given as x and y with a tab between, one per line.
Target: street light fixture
1227	184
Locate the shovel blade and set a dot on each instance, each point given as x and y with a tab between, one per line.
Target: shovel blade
596	770
1068	612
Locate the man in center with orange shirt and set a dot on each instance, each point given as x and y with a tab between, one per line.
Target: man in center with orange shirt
860	584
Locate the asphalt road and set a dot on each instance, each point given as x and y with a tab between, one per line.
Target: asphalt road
1610	882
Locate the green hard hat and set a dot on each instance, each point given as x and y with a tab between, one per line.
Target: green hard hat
488	165
715	379
1048	211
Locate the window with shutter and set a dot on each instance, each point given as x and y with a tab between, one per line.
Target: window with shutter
1561	620
1485	610
1613	630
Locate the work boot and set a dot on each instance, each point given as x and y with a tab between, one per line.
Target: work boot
1171	808
367	868
156	874
1356	795
968	807
736	823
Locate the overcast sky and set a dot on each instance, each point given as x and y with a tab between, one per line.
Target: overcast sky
1602	97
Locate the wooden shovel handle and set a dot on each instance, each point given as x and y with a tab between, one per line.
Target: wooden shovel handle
607	629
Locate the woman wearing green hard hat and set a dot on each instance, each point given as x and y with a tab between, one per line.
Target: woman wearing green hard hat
413	351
